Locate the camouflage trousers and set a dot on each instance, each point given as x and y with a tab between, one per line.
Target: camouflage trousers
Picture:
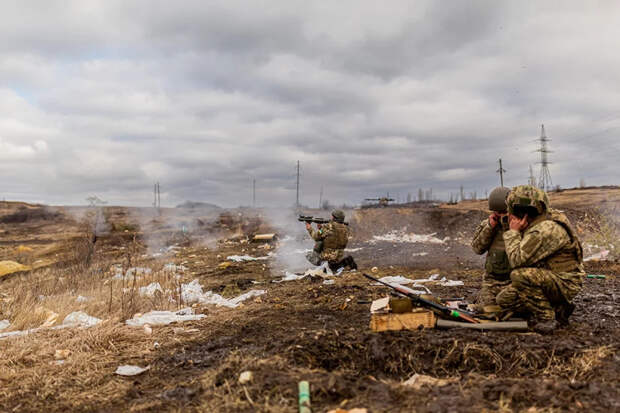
491	287
538	292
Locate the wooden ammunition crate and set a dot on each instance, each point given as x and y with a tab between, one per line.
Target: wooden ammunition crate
403	321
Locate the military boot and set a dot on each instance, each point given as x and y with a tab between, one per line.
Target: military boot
546	327
563	312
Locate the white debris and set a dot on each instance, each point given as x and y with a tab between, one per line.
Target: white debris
396	279
329	282
245	377
159	318
417	381
81	299
601	256
4	324
150	290
241	258
75	319
130	370
451	283
290	276
192	293
431	278
353	249
401	236
419	254
171	267
80	318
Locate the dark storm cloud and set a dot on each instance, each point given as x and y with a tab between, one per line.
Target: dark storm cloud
108	97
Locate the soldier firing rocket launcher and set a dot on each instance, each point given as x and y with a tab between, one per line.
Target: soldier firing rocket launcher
315	220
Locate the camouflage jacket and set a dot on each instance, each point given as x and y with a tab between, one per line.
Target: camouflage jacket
490	240
334	238
540	243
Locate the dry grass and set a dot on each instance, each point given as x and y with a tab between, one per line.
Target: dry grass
30	298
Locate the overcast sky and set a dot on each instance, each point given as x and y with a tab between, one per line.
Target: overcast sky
105	98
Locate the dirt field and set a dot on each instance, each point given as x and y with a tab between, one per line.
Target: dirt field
298	330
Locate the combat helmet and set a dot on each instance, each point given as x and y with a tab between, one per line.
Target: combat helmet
497	199
338	215
527	196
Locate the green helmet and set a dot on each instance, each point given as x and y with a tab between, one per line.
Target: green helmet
338	215
497	199
528	195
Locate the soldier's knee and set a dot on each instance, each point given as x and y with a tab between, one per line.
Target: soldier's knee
520	277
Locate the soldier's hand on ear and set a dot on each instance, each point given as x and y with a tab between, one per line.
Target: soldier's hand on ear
516	223
493	219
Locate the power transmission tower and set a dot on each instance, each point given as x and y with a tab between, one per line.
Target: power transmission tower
321	198
501	172
157	197
254	193
532	179
297	198
544	182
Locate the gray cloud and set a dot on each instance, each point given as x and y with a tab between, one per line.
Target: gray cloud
108	97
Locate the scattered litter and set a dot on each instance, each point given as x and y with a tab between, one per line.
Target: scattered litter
290	276
329	282
353	249
155	318
156	345
241	258
61	354
418	380
401	236
181	330
374	269
595	276
451	283
131	370
4	324
81	299
150	290
601	256
192	293
131	273
148	330
245	377
59	362
50	316
224	265
80	318
171	267
419	254
11	267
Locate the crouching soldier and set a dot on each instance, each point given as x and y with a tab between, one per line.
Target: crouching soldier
489	238
330	241
546	258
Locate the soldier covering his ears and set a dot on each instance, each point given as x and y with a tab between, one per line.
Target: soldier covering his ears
546	260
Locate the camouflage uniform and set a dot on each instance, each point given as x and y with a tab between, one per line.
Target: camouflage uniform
491	240
331	240
547	259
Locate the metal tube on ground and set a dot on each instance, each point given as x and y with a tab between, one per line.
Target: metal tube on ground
492	325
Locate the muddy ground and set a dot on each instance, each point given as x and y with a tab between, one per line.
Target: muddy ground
305	330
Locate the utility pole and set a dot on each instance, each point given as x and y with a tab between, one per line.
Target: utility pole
532	179
544	182
254	193
321	198
501	173
297	198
